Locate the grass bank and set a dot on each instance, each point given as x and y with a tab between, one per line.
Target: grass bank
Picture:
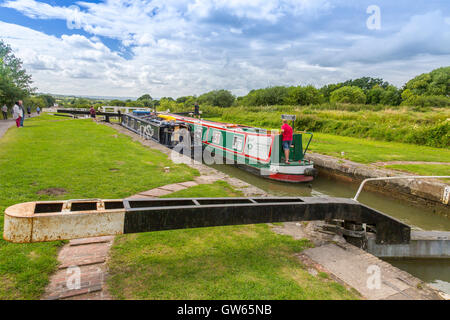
237	262
369	151
80	159
420	126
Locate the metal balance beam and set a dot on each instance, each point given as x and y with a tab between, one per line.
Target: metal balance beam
65	220
87	112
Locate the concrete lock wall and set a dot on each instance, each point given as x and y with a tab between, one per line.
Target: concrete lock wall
423	244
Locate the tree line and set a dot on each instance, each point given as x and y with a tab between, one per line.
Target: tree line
426	90
15	83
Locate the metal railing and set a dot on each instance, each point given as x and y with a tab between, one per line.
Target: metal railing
394	178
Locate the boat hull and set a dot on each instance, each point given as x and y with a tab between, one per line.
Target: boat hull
277	176
291	178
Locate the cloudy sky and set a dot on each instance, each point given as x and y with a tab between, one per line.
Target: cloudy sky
182	47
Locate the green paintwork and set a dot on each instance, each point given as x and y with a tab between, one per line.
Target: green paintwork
227	140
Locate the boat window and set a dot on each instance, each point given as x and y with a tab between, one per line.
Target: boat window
237	143
216	137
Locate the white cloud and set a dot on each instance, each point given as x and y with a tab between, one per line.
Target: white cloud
421	35
176	47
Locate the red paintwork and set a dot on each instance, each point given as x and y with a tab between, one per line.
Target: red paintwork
291	177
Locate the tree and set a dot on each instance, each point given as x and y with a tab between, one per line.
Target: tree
217	98
266	97
435	83
15	83
374	95
49	100
145	97
391	96
366	83
34	101
303	96
328	89
348	94
117	103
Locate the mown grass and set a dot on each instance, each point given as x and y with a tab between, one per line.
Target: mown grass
369	151
237	262
86	159
423	169
217	189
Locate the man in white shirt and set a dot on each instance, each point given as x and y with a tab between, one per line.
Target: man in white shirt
17	114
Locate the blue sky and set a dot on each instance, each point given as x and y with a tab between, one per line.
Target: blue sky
180	47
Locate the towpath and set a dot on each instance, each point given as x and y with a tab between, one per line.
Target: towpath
6	124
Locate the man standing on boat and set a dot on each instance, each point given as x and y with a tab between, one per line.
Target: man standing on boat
288	133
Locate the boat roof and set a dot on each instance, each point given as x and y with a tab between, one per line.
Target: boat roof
218	124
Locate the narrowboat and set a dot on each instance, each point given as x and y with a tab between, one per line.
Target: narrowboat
256	150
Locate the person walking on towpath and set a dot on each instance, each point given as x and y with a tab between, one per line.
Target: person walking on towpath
196	110
287	132
17	114
5	112
92	112
38	110
29	111
22	118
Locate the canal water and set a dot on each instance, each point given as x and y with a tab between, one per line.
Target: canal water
433	271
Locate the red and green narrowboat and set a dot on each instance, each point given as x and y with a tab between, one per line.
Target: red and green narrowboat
253	149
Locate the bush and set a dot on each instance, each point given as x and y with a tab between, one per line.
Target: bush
435	83
303	96
217	98
348	94
427	101
265	97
